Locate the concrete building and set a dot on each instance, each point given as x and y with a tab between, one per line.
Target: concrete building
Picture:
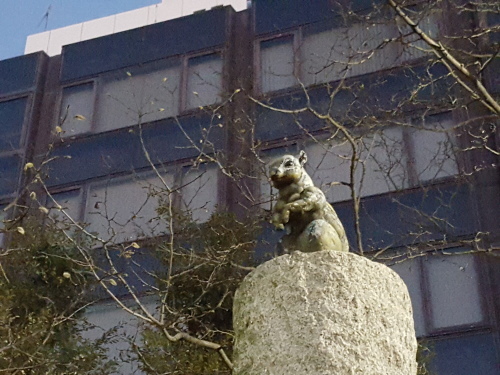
176	81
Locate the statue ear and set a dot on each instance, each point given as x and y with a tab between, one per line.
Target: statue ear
302	157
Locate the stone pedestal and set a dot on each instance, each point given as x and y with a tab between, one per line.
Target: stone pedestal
323	313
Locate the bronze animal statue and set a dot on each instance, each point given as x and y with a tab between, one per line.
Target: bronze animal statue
310	222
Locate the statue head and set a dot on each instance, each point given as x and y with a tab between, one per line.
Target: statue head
287	169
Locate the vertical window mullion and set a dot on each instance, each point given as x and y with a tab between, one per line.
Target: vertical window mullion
410	158
14	111
25	125
297	40
257	66
426	303
93	120
183	85
3	217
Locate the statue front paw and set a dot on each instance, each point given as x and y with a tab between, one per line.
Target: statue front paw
285	216
294	207
277	221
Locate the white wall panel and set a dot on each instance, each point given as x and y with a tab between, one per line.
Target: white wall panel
191	6
63	36
131	20
52	41
152	14
169	10
37	42
98	27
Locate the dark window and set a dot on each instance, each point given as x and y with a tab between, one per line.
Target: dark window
412	217
11	123
278	15
9	174
466	356
199	31
19	73
121	151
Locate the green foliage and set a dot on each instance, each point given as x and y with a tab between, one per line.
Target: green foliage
42	295
425	355
209	262
204	267
160	356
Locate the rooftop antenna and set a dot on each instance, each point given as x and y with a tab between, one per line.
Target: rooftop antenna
46	17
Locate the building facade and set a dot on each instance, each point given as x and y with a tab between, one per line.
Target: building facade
225	91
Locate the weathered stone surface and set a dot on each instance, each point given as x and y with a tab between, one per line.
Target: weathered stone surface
323	313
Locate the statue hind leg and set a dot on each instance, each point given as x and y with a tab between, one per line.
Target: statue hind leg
319	235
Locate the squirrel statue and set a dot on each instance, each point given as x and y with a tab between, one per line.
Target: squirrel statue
310	222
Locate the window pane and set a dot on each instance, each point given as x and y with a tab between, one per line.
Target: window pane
71	203
125	209
77	107
199	192
413	46
409	270
137	96
454	290
323	56
204	81
434	151
344	52
383	162
381	167
368	50
9	174
472	355
277	64
11	123
328	165
108	317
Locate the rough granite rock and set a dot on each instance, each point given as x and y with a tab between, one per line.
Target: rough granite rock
323	313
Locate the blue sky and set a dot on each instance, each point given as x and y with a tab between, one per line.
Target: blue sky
20	18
